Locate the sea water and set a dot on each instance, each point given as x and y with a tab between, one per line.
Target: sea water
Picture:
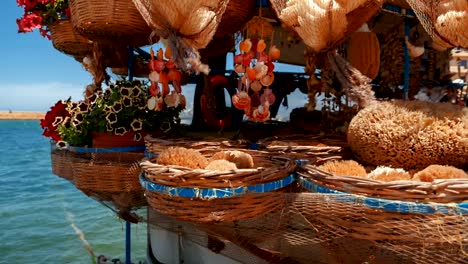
39	209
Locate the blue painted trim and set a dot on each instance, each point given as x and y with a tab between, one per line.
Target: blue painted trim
209	193
389	205
254	146
99	150
143	53
106	150
150	155
130	63
399	10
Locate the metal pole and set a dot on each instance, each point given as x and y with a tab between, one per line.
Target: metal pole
128	257
406	67
128	230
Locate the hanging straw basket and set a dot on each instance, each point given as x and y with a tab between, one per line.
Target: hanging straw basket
60	161
315	148
109	175
66	40
438	191
208	196
110	21
157	145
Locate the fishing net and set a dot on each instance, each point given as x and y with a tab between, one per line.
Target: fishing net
334	228
188	26
445	21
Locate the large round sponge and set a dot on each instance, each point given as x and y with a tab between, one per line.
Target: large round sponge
410	134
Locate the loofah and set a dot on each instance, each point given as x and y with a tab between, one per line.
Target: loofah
434	172
388	174
410	134
182	157
221	165
241	159
344	168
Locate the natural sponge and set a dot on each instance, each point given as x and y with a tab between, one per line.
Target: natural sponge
241	159
388	174
344	168
410	134
221	165
433	172
182	157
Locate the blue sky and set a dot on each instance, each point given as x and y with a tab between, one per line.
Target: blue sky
33	75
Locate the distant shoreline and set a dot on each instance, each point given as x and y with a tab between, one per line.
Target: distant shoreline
17	115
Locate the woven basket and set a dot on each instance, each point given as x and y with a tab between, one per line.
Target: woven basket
414	236
61	160
216	210
215	196
109	177
440	191
237	14
66	40
110	21
108	172
157	145
316	148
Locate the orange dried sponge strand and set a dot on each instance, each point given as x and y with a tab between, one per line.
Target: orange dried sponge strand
434	172
344	168
182	157
387	174
241	159
221	165
410	134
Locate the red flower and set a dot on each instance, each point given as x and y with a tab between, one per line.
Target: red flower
29	22
20	2
44	33
47	123
67	12
29	4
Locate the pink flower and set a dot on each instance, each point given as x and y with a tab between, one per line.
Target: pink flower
29	22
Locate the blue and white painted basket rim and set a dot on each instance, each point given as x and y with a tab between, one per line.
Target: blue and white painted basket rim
211	193
97	150
387	204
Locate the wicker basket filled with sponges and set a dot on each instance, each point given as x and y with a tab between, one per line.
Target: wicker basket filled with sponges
435	183
422	211
155	145
315	148
212	185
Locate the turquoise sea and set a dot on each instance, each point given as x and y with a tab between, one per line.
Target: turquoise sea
38	209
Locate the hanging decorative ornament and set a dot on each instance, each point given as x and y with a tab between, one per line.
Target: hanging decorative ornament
254	65
163	74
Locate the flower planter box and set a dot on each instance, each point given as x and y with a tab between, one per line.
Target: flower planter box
107	140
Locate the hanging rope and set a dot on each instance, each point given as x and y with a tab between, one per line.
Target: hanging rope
356	86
